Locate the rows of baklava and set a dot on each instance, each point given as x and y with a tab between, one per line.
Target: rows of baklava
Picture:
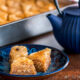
12	10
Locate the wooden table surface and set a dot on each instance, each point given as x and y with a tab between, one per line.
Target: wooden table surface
72	72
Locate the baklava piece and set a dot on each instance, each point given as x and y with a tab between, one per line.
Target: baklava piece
15	12
23	66
29	8
3	17
14	17
41	59
4	8
42	8
3	12
18	52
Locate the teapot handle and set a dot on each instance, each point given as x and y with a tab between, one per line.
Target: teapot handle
57	6
79	3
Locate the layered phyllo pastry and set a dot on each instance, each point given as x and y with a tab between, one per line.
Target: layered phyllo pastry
41	59
23	66
18	52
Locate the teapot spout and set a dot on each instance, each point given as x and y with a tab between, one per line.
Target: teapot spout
55	21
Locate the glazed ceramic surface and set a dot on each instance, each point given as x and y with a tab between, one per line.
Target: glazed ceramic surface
67	27
59	61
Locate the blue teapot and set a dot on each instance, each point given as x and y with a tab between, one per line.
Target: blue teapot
67	27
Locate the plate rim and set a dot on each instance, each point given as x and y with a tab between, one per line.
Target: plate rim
46	74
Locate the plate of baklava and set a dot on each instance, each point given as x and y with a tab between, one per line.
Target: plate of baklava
31	62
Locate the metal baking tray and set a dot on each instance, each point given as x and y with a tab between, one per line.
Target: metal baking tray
25	28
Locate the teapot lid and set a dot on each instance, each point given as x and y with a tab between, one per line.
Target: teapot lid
74	10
